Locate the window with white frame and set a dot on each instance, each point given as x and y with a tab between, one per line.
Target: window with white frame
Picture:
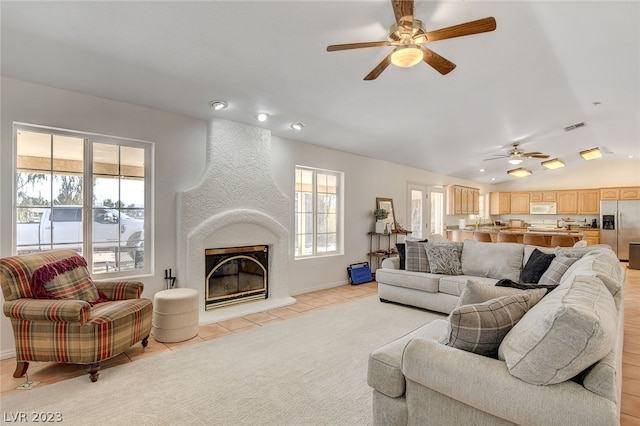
84	192
317	212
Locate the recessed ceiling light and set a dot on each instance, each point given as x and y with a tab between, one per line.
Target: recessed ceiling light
492	179
482	170
263	116
591	154
553	164
218	105
297	126
520	172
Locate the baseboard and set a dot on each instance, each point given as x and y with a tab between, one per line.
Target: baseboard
8	353
321	287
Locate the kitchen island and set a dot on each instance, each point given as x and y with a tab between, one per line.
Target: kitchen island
493	231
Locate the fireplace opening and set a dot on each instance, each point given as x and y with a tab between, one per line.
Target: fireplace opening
235	275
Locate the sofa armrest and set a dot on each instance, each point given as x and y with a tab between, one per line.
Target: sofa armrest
486	384
120	290
47	310
391	263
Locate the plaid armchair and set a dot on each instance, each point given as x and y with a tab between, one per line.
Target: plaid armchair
59	314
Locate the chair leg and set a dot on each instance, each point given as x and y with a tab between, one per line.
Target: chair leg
21	369
145	342
94	371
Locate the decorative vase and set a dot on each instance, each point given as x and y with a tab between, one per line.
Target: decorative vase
380	226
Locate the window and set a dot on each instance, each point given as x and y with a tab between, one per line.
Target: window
52	199
317	212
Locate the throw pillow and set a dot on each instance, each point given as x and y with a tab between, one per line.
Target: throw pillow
556	270
480	328
443	259
475	292
415	257
536	266
570	329
65	279
401	254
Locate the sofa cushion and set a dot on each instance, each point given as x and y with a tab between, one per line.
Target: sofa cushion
536	266
477	292
455	284
443	259
64	279
493	260
415	280
385	364
480	327
601	264
556	270
567	331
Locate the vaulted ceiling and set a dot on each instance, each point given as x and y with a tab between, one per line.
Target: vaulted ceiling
548	65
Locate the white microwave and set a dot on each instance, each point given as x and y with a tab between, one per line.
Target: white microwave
542	208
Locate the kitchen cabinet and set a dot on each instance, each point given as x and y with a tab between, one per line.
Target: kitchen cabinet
519	203
622	193
589	201
499	203
592	236
462	200
567	202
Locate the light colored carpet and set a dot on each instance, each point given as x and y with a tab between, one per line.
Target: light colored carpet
308	370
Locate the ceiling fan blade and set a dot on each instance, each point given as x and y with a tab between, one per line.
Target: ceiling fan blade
402	9
440	64
474	27
537	156
379	68
502	157
336	47
526	154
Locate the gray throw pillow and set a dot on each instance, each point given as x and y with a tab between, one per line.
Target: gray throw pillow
475	292
556	270
415	257
443	259
480	328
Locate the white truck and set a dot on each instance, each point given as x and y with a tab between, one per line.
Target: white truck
63	225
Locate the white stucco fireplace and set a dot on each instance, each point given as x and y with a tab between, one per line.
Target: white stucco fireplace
236	203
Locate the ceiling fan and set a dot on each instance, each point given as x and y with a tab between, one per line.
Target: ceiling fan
517	155
408	36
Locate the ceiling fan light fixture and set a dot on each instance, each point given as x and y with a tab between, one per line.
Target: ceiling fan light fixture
406	56
515	161
553	164
591	154
519	172
297	126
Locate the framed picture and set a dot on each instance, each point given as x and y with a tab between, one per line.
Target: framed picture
387	204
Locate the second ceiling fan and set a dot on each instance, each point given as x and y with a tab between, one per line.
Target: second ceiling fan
408	36
517	155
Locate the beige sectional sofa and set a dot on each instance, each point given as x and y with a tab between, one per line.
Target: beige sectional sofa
560	364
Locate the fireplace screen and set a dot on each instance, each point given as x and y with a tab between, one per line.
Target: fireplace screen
236	275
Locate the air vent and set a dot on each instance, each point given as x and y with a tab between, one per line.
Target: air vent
574	126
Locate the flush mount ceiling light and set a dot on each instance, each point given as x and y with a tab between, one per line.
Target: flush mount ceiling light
591	154
297	126
406	57
553	164
263	116
520	172
515	161
218	105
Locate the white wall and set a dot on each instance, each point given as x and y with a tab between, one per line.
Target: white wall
180	153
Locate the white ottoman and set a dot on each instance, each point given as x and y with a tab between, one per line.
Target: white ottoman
175	315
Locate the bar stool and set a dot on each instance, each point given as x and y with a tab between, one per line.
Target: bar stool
482	236
507	238
563	240
534	240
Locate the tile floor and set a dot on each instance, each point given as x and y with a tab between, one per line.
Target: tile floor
47	372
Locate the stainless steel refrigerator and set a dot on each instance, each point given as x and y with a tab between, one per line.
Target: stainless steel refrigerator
620	222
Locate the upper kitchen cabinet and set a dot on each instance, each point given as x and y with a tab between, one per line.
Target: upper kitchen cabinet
542	197
500	203
567	202
463	200
627	193
589	201
519	203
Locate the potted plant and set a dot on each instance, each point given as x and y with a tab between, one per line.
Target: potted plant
380	215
